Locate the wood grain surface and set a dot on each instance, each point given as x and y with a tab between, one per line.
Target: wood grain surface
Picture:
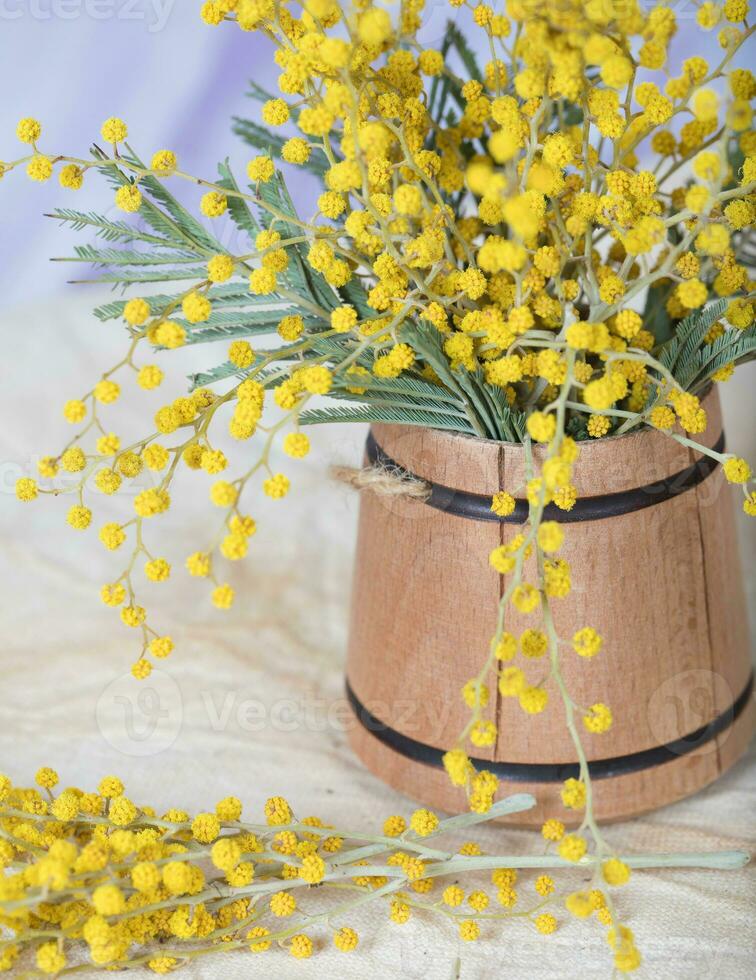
661	585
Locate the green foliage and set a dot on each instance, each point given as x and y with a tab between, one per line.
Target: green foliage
300	276
386	413
237	207
688	337
175	247
108	229
655	317
692	361
223	296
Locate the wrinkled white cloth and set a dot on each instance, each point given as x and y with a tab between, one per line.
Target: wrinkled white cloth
251	702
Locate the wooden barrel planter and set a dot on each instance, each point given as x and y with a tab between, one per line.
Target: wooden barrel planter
653	551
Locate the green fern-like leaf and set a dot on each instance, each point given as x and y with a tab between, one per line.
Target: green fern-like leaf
222	372
171	220
354	294
129	277
380	413
302	278
465	52
237	207
679	355
655	317
234	326
108	229
222	296
184	219
407	386
428	343
733	347
126	257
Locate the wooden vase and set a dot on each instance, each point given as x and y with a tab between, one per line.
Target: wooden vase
652	547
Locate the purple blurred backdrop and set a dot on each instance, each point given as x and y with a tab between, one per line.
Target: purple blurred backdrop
175	81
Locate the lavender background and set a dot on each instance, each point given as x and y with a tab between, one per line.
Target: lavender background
175	81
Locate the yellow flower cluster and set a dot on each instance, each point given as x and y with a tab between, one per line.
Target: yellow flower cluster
93	875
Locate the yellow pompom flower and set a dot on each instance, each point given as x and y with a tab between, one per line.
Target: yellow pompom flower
301	946
240	354
157	570
128	198
345	939
343	319
46	778
533	700
276	486
122	811
50	958
275	112
223	494
133	616
541	427
483	734
26	489
114	130
579	904
423	822
255	934
573	794
29	130
260	169
39	168
469	930
546	923
107	391
374	26
296	150
198	564
615	872
71	177
550	536
552	830
79	517
220	268
503	504
587	642
526	598
598	719
213	204
572	847
737	470
136	312
196	307
74	411
164	163
296	445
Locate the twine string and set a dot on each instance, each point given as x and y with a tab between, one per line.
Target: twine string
383	480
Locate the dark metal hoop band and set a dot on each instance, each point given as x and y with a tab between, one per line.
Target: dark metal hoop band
531	772
477	507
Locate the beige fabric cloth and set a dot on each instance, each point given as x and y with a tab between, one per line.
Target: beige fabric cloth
252	701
